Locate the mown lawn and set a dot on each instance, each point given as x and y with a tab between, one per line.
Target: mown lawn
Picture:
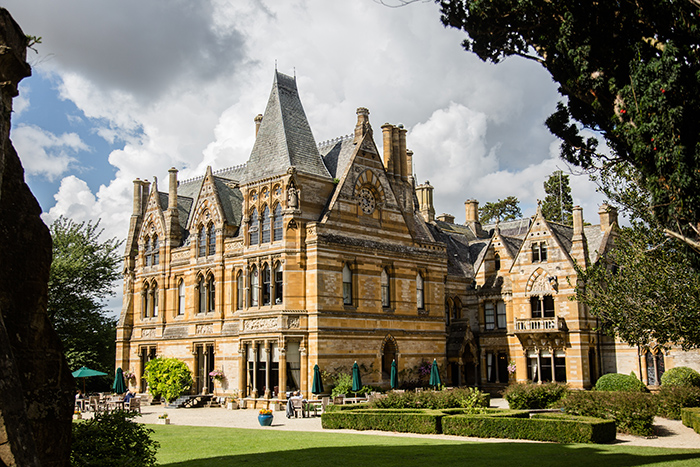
185	446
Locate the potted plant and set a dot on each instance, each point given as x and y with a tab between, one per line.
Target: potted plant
163	419
217	375
77	414
265	417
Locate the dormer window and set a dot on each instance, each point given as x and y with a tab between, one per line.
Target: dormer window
539	252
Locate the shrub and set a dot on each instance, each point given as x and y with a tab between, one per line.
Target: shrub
545	427
632	411
619	382
168	378
455	398
521	396
112	439
681	376
406	420
691	418
671	399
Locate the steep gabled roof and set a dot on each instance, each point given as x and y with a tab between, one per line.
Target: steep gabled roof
284	138
337	154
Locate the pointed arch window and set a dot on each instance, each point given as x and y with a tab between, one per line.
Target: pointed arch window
279	284
254	286
211	234
147	251
202	295
239	291
265	225
253	233
211	294
277	223
266	286
202	242
420	302
497	261
156	250
146	300
386	301
181	297
347	285
154	292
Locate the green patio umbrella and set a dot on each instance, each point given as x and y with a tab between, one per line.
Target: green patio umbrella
356	380
119	386
85	372
317	386
434	375
394	376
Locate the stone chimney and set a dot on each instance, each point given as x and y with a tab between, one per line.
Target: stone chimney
578	220
424	193
172	189
145	191
471	210
608	216
172	216
444	217
387	138
138	198
258	121
409	162
403	160
362	127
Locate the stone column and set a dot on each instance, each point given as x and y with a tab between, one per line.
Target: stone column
255	369
554	373
303	378
242	366
539	367
268	362
283	371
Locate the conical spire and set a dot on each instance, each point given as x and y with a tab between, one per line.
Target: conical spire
284	138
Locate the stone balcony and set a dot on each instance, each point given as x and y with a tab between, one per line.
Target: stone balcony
529	325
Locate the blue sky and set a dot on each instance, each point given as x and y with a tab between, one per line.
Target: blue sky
128	89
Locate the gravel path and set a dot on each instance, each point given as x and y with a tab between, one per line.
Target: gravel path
669	433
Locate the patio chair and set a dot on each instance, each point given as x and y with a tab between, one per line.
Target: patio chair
339	400
133	405
94	404
298	406
324	402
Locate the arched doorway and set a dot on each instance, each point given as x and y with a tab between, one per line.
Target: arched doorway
389	352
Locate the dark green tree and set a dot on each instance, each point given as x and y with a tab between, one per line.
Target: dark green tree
502	210
558	204
630	72
83	272
645	290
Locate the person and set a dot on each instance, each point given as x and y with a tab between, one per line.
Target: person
290	404
79	400
128	396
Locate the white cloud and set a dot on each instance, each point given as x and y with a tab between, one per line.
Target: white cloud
46	154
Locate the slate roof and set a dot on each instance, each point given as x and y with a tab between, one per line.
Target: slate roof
516	228
337	154
284	138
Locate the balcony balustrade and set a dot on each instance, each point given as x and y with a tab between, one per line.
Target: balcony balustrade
539	324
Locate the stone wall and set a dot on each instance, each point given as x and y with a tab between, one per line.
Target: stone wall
35	382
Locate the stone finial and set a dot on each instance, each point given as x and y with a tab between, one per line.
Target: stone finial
258	120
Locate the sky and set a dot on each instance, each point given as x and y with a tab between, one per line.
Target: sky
125	90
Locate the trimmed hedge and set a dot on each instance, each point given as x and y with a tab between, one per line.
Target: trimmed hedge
338	408
522	396
401	420
454	398
691	418
619	382
681	376
558	428
633	412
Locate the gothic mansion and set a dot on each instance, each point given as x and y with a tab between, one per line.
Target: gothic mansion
330	254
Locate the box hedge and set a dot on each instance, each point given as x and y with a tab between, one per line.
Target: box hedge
541	427
691	418
401	420
632	411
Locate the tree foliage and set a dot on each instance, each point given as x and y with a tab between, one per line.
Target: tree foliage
83	272
645	290
168	378
630	71
502	210
558	205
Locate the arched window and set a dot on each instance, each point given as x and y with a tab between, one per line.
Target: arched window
239	291
154	292
181	297
448	310
202	288
146	300
156	250
254	286
266	285
212	240
253	232
497	261
202	242
388	356
277	223
347	285
419	292
211	294
265	225
147	251
457	310
278	284
655	367
386	302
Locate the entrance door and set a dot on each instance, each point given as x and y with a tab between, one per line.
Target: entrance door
204	364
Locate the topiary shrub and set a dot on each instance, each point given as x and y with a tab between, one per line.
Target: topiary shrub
112	439
523	396
671	399
168	378
681	376
619	382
